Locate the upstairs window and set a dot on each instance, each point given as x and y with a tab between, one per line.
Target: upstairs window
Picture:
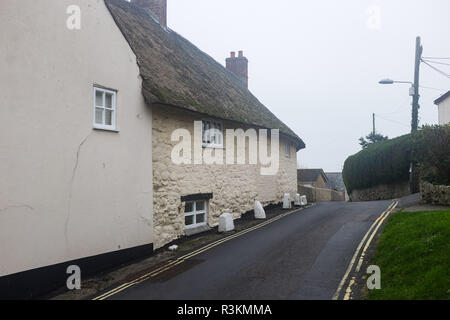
195	214
104	109
212	134
287	149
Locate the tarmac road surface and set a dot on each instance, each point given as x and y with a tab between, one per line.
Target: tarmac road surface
301	256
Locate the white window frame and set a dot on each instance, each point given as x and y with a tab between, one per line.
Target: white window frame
196	212
287	149
103	126
217	139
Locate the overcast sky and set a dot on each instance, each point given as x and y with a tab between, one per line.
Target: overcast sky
316	64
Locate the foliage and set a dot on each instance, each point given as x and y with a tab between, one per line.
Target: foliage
414	257
389	161
432	145
372	138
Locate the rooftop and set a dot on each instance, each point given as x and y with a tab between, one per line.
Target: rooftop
442	98
176	73
310	175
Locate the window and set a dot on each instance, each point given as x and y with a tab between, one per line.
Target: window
287	149
104	109
195	214
212	134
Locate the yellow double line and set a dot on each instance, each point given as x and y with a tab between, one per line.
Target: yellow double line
375	226
181	259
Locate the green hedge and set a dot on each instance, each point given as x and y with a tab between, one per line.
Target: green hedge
389	161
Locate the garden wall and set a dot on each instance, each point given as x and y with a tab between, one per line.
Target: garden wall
381	192
321	195
435	194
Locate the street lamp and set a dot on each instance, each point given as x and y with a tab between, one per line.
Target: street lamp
414	124
390	81
414	93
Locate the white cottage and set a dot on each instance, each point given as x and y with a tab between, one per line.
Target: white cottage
91	93
443	103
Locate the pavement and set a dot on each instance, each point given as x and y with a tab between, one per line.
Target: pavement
412	203
303	255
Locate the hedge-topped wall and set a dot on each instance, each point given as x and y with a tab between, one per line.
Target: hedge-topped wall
388	162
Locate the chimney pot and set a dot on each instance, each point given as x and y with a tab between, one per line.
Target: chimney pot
239	66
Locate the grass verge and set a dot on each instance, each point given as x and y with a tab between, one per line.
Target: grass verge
414	257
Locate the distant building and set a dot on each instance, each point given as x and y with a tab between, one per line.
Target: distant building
312	177
335	181
443	104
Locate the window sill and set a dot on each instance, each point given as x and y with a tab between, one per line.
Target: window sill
106	129
196	230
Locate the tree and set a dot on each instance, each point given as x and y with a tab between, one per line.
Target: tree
372	138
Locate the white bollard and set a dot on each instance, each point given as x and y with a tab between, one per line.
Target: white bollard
297	201
287	201
303	200
226	223
259	210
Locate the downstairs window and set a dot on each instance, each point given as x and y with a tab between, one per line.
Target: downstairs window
195	214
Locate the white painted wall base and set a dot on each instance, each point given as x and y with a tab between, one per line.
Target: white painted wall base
297	201
287	201
259	211
226	223
303	201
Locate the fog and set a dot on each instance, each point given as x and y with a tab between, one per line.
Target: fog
316	64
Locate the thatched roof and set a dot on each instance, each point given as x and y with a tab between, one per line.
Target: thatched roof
177	73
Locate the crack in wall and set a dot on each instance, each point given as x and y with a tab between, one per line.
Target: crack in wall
69	201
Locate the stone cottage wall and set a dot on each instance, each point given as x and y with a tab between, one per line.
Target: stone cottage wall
234	187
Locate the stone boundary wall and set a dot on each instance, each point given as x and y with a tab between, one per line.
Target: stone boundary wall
433	194
381	192
321	195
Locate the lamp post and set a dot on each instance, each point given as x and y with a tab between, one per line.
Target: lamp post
414	92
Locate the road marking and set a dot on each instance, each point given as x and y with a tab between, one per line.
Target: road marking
361	259
358	249
181	259
348	291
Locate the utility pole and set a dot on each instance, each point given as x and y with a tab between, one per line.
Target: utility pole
416	96
415	109
374	131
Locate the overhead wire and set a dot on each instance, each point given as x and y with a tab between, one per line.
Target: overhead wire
435	58
393	121
436	69
437	62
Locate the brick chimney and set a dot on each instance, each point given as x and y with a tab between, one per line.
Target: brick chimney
239	66
157	7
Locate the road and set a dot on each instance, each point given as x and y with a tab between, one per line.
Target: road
301	256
